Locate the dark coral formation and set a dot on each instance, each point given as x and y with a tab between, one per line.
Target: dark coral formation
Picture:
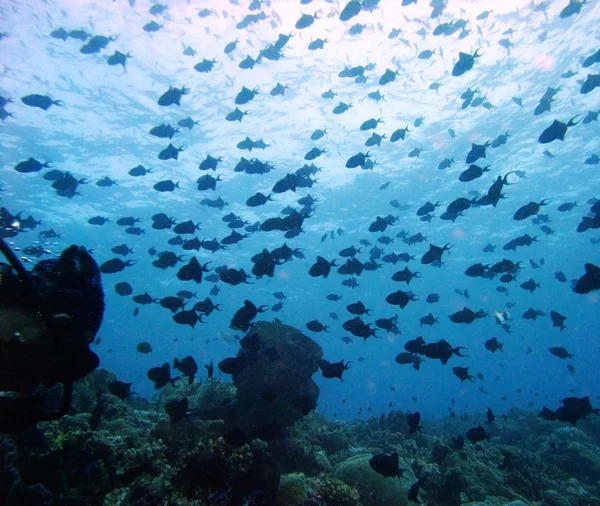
274	384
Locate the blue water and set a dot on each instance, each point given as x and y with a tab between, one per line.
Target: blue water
102	130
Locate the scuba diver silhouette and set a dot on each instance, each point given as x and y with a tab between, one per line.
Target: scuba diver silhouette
48	319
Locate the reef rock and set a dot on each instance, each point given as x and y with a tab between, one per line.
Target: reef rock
272	373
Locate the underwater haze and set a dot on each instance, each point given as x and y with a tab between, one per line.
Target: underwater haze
510	61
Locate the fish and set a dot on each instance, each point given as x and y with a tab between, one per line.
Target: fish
465	62
441	350
387	465
118	58
160	376
572	410
466	315
31	165
209	369
140	170
351	9
556	131
164	131
120	389
413	491
400	298
187	317
144	347
188	123
462	373
187	366
105	182
560	352
532	314
43	102
170	153
316	326
115	265
205	66
172	96
123	288
494	345
590	281
558	320
166	186
333	369
321	268
96	416
177	409
477	435
413	420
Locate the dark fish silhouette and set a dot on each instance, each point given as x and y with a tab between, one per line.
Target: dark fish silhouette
115	265
40	101
187	366
400	298
333	369
556	130
590	281
322	267
140	170
530	209
164	131
560	352
558	320
572	410
494	345
462	373
123	288
477	434
172	96
160	376
465	62
351	9
31	165
573	8
177	409
387	465
118	58
120	389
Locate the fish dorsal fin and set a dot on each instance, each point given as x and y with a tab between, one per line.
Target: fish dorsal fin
592	270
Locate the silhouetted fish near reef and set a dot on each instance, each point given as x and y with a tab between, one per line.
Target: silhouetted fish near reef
333	369
177	409
187	366
160	376
120	389
572	410
477	434
387	465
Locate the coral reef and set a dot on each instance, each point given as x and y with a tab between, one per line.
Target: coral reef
136	456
